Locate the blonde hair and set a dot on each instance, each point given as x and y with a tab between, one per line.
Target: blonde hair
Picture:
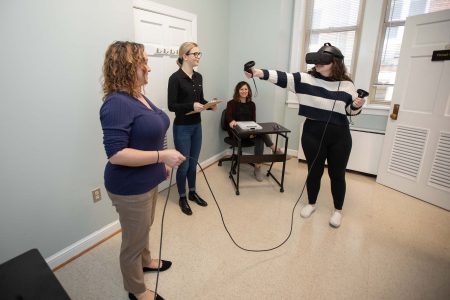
184	48
119	68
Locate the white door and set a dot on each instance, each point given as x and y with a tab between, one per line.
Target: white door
416	152
162	30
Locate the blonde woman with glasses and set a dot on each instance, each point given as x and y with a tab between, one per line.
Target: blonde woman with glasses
185	94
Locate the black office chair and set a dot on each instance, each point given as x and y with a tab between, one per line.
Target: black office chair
232	142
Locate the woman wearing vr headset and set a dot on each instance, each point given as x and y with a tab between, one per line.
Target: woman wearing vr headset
327	96
185	94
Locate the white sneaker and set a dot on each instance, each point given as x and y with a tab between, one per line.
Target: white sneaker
336	219
258	174
307	210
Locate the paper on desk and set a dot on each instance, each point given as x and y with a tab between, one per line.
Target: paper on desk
248	125
207	105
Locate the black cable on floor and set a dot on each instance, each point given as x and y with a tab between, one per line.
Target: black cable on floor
220	211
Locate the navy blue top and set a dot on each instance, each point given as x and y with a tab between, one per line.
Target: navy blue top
127	123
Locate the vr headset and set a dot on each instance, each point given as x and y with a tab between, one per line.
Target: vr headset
324	55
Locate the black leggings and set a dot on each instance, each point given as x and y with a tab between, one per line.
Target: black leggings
336	147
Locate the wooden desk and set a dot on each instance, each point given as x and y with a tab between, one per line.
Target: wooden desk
28	276
267	128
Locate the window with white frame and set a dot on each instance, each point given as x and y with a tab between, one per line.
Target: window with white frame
336	22
391	35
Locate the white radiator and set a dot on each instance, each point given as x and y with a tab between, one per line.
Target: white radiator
366	150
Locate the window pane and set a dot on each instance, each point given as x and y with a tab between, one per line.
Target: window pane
400	9
383	93
343	40
390	55
327	13
390	51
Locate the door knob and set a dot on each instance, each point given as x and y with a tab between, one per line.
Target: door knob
394	114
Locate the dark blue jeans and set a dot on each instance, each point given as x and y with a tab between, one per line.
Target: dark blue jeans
188	141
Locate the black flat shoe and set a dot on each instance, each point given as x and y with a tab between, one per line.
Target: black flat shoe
185	206
133	297
193	196
165	265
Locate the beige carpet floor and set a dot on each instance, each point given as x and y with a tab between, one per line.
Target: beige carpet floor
390	245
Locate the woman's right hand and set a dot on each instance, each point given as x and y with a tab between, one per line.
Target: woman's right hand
171	157
255	73
233	124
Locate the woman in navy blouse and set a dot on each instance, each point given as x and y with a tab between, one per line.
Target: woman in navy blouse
133	136
185	94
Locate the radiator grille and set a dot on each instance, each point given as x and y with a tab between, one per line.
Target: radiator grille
440	170
407	151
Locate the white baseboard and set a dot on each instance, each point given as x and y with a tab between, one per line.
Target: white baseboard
213	159
78	247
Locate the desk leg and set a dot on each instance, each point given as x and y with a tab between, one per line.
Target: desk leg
284	165
238	166
276	146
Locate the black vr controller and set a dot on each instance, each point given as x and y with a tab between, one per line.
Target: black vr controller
362	93
248	67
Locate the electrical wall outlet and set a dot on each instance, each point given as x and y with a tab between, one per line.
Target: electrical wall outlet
96	195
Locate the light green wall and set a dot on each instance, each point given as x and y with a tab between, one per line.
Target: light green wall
51	149
260	30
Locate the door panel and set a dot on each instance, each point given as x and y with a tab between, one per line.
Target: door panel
416	152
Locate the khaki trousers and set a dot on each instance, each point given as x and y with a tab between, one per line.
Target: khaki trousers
136	215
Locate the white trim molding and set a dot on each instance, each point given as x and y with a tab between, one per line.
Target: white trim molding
297	44
78	247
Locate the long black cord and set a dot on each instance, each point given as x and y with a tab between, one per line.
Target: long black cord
220	211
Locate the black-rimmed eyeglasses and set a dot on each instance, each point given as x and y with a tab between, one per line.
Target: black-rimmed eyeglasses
196	54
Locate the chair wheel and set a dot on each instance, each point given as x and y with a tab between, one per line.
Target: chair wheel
237	193
282	190
220	163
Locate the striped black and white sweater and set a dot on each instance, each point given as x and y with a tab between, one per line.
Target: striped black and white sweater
318	94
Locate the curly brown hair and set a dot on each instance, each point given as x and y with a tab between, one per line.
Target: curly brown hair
120	68
338	71
236	95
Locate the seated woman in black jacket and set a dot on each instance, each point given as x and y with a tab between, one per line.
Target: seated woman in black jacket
242	108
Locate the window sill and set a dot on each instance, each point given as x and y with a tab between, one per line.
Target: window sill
376	110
